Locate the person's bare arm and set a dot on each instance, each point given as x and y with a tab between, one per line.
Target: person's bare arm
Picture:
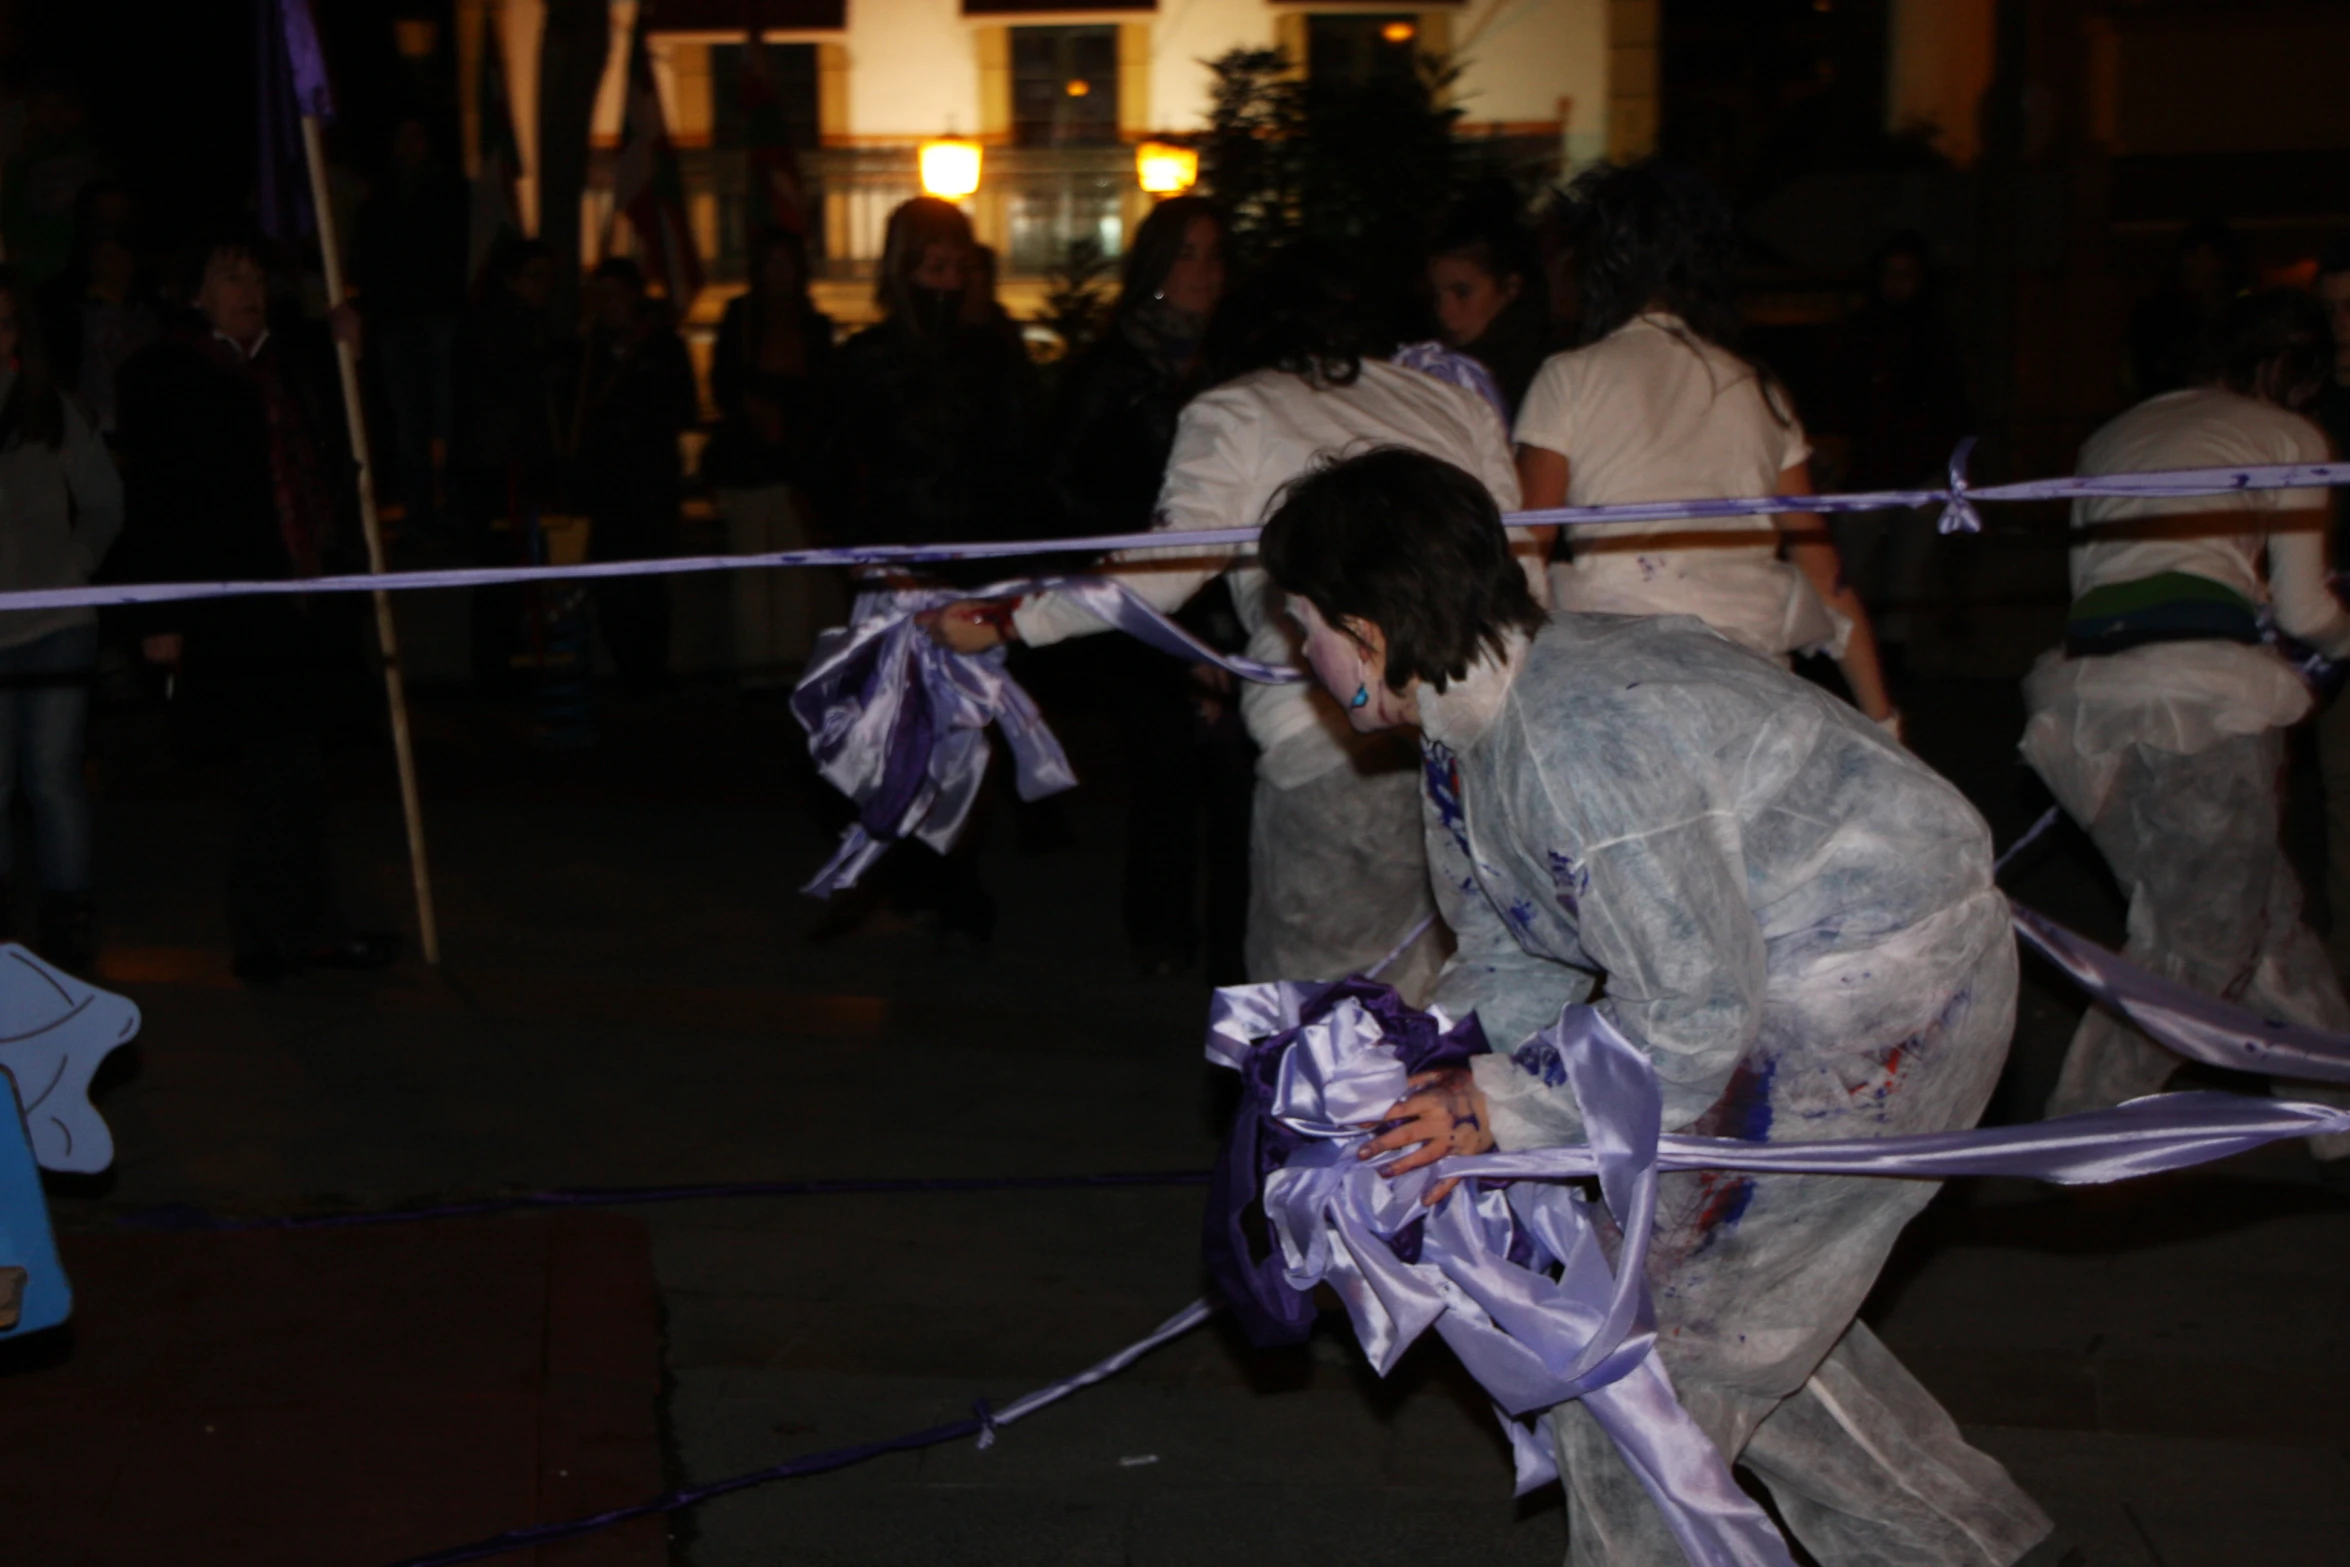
1813	550
1542	477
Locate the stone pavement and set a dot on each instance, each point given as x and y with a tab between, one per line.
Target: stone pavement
628	998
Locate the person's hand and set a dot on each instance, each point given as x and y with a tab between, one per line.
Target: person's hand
344	322
967	626
161	648
1447	1116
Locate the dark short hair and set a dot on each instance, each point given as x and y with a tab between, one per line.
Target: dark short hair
1302	313
2271	342
235	236
1654	234
1484	227
1411	544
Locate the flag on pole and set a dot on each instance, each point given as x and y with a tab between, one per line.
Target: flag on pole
293	88
496	216
648	186
775	194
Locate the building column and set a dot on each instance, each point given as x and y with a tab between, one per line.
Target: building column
1632	78
1938	60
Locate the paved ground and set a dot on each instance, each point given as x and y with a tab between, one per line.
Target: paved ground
628	998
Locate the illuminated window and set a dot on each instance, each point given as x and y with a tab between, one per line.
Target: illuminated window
1064	86
1352	50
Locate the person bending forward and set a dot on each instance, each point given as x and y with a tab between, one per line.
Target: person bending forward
1791	916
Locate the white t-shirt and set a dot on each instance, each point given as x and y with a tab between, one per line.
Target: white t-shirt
2210	427
1653	412
1235	447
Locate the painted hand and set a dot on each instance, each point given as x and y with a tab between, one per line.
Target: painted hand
1446	1116
967	626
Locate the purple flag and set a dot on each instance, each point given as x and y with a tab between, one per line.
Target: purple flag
293	86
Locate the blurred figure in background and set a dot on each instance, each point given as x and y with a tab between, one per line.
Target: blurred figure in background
1114	426
1659	405
2170	332
236	468
60	509
773	347
2331	410
509	413
930	439
1485	273
636	398
2160	725
408	258
1900	400
103	308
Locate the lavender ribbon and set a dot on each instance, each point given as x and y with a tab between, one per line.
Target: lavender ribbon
1959	500
1453	368
899	724
1514	1278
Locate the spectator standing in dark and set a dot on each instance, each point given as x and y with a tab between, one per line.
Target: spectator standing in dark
502	446
60	509
929	441
2170	333
2332	408
1113	428
773	346
408	254
104	308
636	398
41	188
236	467
1900	398
1491	300
2331	412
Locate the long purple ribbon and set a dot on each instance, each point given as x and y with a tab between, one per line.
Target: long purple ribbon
1958	499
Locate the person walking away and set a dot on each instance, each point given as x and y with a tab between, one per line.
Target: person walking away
1486	278
636	399
235	471
2159	725
931	438
1658	405
1113	428
773	347
60	509
408	257
1337	876
1901	403
509	413
1790	916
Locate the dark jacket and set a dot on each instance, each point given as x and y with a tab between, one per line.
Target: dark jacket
1113	426
202	492
640	398
509	409
737	457
930	441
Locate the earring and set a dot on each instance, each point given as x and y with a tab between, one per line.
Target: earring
1362	696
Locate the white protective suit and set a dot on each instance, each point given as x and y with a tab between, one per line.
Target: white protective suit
1795	919
2170	753
1336	876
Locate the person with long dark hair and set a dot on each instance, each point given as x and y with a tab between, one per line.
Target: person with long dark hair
1336	873
2160	724
772	350
60	509
1486	282
1659	404
1791	917
1113	429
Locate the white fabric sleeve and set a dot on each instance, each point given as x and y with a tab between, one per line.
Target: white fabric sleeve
1797	445
1210	480
1547	417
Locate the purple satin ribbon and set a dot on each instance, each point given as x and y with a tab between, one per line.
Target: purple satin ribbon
1511	1271
1958	500
899	724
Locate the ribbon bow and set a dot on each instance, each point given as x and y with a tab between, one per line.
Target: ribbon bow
1958	512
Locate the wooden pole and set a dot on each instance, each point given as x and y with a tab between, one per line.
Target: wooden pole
395	689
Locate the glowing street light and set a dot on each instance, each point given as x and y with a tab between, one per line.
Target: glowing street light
950	168
1164	169
1399	32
